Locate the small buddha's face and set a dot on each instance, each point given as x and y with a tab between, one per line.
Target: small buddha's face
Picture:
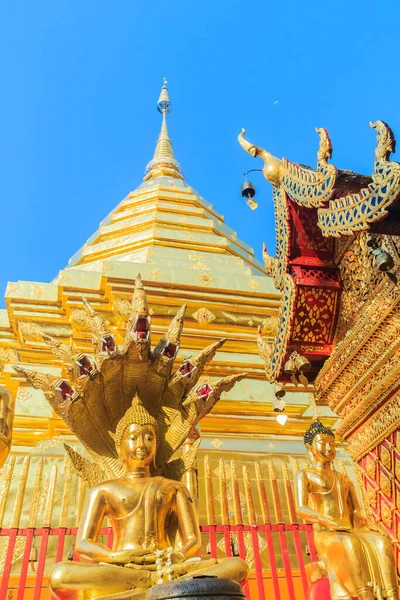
323	448
138	445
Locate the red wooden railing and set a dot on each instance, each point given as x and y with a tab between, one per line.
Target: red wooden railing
265	577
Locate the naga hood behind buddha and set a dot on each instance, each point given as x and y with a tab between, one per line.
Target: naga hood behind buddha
97	393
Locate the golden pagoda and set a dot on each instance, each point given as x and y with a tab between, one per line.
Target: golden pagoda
185	253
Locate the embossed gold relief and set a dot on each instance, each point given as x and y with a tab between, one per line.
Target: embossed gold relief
269	326
386	457
6	423
385	484
22	395
206	279
371	498
30	330
199	266
253	284
103	267
38	292
7	355
204	315
17	554
397	471
155	274
369	377
383	423
387	515
123	306
195	257
217	443
378	385
360	278
79	319
382	303
370	467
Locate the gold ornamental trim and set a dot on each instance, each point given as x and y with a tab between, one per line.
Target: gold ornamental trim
386	298
375	356
307	187
355	212
379	427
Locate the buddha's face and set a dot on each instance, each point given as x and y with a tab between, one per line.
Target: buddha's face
138	445
323	448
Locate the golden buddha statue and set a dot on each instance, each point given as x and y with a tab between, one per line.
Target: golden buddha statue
6	421
135	479
146	513
358	558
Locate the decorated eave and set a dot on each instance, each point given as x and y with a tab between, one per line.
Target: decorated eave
314	208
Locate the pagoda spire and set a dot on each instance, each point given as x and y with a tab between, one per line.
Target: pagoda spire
164	163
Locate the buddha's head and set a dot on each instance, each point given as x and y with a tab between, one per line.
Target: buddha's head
136	436
320	442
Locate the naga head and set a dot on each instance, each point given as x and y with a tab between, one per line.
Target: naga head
272	165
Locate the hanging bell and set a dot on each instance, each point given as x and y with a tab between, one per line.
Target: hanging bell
279	405
290	367
248	189
71	553
384	261
279	390
302	363
248	192
33	556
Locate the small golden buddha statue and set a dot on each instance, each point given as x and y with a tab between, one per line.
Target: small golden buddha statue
156	532
6	421
359	559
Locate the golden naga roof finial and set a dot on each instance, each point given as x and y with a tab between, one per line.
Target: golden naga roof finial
272	165
386	142
164	163
325	145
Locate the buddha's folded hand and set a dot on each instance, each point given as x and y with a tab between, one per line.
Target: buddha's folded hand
125	557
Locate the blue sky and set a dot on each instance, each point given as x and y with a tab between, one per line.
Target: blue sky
80	81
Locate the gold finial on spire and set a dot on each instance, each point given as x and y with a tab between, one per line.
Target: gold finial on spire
164	163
